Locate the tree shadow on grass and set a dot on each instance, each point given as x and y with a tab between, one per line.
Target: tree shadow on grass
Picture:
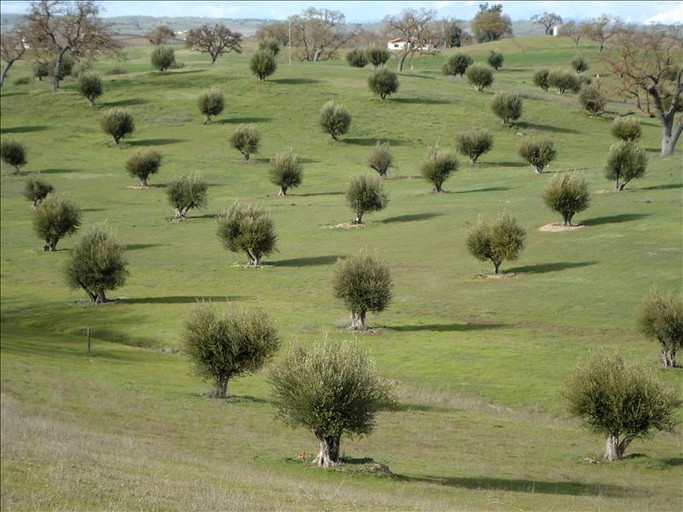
307	262
135	247
487	189
243	120
130	102
24	129
176	299
669	186
447	327
411	217
614	219
295	81
420	101
155	142
505	164
543	268
544	127
372	141
313	194
530	486
57	171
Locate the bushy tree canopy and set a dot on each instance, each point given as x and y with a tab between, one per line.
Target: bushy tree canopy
661	317
503	240
36	189
96	264
55	218
90	87
246	139
620	401
225	346
495	59
244	228
438	167
363	283
211	103
457	64
357	58
214	40
592	99
187	192
490	24
381	158
626	161
507	106
332	389
564	81
541	78
365	194
13	153
263	64
479	76
142	164
162	58
118	122
626	128
474	143
377	56
383	82
538	153
567	194
286	171
334	119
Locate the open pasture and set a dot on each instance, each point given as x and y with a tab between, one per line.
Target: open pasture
478	363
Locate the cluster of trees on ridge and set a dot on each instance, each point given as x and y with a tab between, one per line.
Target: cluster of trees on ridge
349	392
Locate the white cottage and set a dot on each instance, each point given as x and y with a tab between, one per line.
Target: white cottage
397	44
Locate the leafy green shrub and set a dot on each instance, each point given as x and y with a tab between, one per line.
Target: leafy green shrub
479	76
438	167
249	230
334	119
592	99
580	64
331	389
90	87
474	143
142	164
661	317
365	194
626	161
363	283
163	58
36	189
223	347
563	81
457	64
357	58
503	240
269	44
381	158
621	402
22	80
383	82
377	56
116	70
211	103
246	139
42	69
507	106
541	79
118	122
263	64
495	59
13	153
186	193
626	128
54	219
96	265
567	194
538	153
285	171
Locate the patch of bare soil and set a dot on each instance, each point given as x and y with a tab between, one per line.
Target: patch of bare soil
557	228
503	275
347	225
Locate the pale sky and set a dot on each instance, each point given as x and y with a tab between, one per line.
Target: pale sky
668	12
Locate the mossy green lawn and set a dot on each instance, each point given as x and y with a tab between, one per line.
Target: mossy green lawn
479	363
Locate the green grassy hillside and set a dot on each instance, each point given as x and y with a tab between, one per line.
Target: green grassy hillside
478	363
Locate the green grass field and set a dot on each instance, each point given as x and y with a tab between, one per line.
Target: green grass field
478	363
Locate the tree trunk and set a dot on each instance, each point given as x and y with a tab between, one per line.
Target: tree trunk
615	450
207	119
282	192
670	136
328	455
221	390
101	297
402	60
496	266
669	357
359	218
358	320
568	219
4	72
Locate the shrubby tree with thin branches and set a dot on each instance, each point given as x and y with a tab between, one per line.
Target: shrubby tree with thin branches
286	171
222	347
474	143
97	264
439	166
457	64
563	81
592	99
626	161
163	58
383	82
377	56
357	58
211	103
622	402
118	122
331	389
13	153
90	87
480	76
142	164
363	283
187	192
36	189
661	317
579	64
263	64
495	59
244	228
54	218
502	240
538	153
381	159
246	139
626	129
334	119
541	77
365	194
507	106
567	194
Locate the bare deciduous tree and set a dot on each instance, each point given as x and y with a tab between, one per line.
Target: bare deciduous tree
415	27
